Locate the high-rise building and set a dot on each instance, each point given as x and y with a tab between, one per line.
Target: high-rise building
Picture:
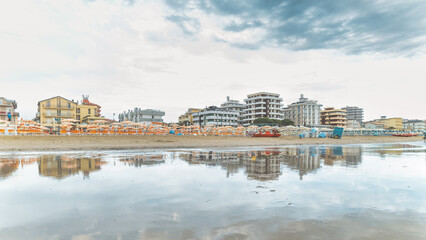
304	112
333	117
8	110
262	105
236	106
354	113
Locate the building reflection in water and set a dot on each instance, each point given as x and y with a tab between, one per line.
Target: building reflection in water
396	149
267	165
262	165
143	160
61	166
9	165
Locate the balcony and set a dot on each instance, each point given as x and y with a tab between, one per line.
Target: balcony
58	115
6	114
66	107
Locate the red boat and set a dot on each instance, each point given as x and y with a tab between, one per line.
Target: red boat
404	135
266	134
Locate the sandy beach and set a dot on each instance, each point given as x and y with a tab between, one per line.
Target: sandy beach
43	143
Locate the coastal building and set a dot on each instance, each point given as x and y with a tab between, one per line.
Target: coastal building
142	115
216	116
354	113
187	119
374	125
8	110
52	111
304	112
333	117
234	105
87	111
354	124
414	125
262	105
391	123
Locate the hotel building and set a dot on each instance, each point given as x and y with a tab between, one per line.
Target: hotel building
304	112
52	111
236	106
333	117
262	105
8	110
142	115
216	116
354	113
87	111
414	125
187	118
393	123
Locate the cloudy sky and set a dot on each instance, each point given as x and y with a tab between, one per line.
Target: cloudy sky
176	54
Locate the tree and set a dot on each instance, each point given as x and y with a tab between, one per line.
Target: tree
287	122
273	122
263	121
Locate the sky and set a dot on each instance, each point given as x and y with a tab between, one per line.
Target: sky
174	54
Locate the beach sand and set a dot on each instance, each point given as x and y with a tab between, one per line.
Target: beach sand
44	143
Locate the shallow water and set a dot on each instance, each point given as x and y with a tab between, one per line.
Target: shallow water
371	191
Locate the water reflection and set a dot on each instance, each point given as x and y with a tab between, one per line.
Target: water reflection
266	165
8	165
261	165
61	166
143	160
345	192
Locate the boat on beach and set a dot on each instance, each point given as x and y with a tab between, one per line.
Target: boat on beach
266	134
404	134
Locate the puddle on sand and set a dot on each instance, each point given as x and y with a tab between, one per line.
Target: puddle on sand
372	191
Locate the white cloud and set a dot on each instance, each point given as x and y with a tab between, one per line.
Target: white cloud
131	56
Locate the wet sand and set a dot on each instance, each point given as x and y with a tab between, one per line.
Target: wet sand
43	143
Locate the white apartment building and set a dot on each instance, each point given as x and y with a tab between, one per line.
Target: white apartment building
216	116
262	105
304	112
142	116
414	125
354	113
236	106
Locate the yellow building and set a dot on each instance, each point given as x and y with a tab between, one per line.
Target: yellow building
395	123
62	166
87	110
53	110
333	117
187	117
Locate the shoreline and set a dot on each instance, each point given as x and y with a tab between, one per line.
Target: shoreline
64	143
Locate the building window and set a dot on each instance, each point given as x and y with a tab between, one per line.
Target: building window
48	104
88	111
69	105
78	110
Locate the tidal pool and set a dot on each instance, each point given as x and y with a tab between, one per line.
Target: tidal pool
371	191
